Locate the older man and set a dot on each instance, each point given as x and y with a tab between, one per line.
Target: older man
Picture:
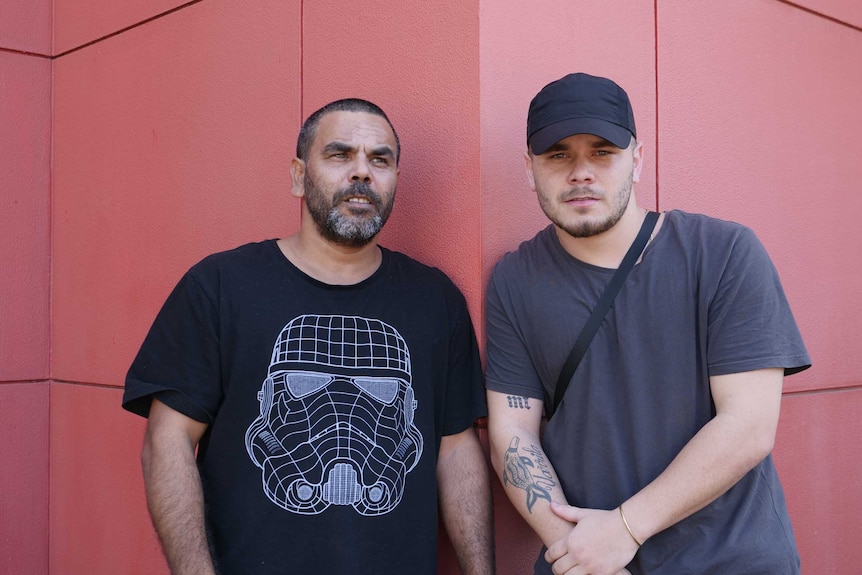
328	385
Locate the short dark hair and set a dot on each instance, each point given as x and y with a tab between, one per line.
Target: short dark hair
309	128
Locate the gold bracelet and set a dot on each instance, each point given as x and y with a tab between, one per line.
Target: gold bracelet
629	529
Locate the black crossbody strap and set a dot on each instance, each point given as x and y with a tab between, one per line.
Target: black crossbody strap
602	307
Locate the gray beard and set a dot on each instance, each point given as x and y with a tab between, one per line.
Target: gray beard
342	229
349	232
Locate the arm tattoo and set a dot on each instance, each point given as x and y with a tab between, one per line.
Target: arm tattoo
518	401
532	474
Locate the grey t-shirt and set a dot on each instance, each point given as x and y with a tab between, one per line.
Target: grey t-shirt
705	300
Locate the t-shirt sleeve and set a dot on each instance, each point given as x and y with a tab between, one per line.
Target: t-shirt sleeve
465	394
750	322
179	360
509	366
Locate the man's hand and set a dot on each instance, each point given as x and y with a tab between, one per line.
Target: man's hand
599	544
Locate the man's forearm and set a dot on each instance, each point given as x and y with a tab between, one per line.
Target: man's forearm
529	481
717	457
175	502
465	502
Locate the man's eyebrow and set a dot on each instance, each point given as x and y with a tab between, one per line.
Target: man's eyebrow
338	147
382	151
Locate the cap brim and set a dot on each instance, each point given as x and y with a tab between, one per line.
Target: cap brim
543	139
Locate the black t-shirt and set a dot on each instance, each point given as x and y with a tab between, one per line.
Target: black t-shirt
704	301
325	405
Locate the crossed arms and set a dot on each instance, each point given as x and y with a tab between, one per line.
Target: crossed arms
596	541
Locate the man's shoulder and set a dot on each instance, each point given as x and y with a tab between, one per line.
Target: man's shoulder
418	281
240	256
529	254
688	222
712	242
243	252
410	268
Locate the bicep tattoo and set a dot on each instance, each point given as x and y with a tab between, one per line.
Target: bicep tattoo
529	472
518	401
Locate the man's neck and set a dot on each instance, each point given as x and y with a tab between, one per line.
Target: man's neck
331	263
607	249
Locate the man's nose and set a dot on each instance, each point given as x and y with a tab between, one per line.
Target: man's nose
581	172
361	171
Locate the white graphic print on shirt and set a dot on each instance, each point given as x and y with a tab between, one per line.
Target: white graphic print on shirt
336	417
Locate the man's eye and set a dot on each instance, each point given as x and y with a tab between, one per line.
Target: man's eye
381	161
558	156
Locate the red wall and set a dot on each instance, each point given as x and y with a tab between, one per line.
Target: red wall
172	125
25	169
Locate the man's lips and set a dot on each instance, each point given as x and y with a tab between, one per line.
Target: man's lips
580	196
358	200
581	200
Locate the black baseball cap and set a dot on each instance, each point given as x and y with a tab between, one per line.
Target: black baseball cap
580	104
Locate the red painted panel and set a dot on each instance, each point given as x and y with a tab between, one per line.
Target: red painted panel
172	141
525	45
765	130
419	62
26	26
847	11
24	478
25	164
77	22
99	521
817	455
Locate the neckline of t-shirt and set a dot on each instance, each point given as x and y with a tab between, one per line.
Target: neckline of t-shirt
555	240
380	271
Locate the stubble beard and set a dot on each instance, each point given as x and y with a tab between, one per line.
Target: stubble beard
350	230
584	228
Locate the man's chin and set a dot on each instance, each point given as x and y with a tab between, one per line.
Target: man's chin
586	228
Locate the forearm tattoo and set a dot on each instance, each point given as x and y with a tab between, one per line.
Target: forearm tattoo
518	401
529	472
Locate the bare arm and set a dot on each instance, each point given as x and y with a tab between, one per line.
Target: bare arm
465	501
173	486
528	477
740	436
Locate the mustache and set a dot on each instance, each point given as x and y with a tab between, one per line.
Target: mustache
581	192
357	190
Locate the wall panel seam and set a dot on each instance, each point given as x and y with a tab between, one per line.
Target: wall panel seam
87	384
849	388
821	15
655	71
126	29
25	53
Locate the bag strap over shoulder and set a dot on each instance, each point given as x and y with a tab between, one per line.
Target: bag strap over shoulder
592	326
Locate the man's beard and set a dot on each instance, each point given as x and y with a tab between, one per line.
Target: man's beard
346	230
587	228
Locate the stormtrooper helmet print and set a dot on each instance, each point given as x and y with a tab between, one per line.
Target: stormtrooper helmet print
336	417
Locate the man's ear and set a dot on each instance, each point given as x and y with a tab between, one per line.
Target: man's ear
297	178
637	161
528	165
